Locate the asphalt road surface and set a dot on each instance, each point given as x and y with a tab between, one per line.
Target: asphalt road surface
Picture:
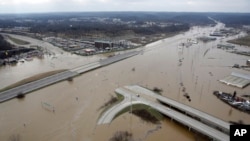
131	98
29	87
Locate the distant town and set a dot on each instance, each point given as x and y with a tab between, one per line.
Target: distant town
89	34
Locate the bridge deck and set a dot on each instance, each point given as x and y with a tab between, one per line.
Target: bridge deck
181	118
187	109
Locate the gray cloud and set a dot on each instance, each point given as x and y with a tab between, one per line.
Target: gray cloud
24	6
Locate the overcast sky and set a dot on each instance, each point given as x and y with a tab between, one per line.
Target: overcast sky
30	6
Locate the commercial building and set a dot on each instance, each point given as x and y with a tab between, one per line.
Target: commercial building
104	44
237	79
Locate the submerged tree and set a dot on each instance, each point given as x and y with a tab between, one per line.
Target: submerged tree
122	136
15	138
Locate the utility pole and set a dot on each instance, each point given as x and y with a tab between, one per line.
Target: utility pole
131	113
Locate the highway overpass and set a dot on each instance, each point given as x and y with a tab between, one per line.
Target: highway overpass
131	98
204	117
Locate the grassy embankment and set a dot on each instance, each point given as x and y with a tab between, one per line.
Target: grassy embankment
31	79
111	102
241	41
18	41
122	136
144	112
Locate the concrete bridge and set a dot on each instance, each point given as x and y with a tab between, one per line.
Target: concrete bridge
202	116
135	95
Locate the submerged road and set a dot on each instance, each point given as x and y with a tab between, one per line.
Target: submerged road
35	85
131	98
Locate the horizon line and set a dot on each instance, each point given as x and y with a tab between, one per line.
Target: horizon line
51	12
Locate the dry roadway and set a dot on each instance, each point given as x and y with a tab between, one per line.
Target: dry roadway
35	85
135	95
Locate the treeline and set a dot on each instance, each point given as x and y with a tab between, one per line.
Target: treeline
89	27
62	24
175	17
7	50
156	29
89	23
108	29
232	19
193	19
4	45
13	52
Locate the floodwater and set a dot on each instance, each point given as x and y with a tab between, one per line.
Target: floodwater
162	64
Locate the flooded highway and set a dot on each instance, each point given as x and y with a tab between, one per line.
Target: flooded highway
164	64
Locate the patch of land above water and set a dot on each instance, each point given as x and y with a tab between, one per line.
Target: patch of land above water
31	79
4	44
144	112
18	41
241	41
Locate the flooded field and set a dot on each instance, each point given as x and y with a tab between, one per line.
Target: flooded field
175	69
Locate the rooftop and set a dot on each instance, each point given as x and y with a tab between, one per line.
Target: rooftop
237	79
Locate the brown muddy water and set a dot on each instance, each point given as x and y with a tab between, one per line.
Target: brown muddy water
76	103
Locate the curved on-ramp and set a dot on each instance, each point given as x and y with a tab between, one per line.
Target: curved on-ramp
132	99
109	115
